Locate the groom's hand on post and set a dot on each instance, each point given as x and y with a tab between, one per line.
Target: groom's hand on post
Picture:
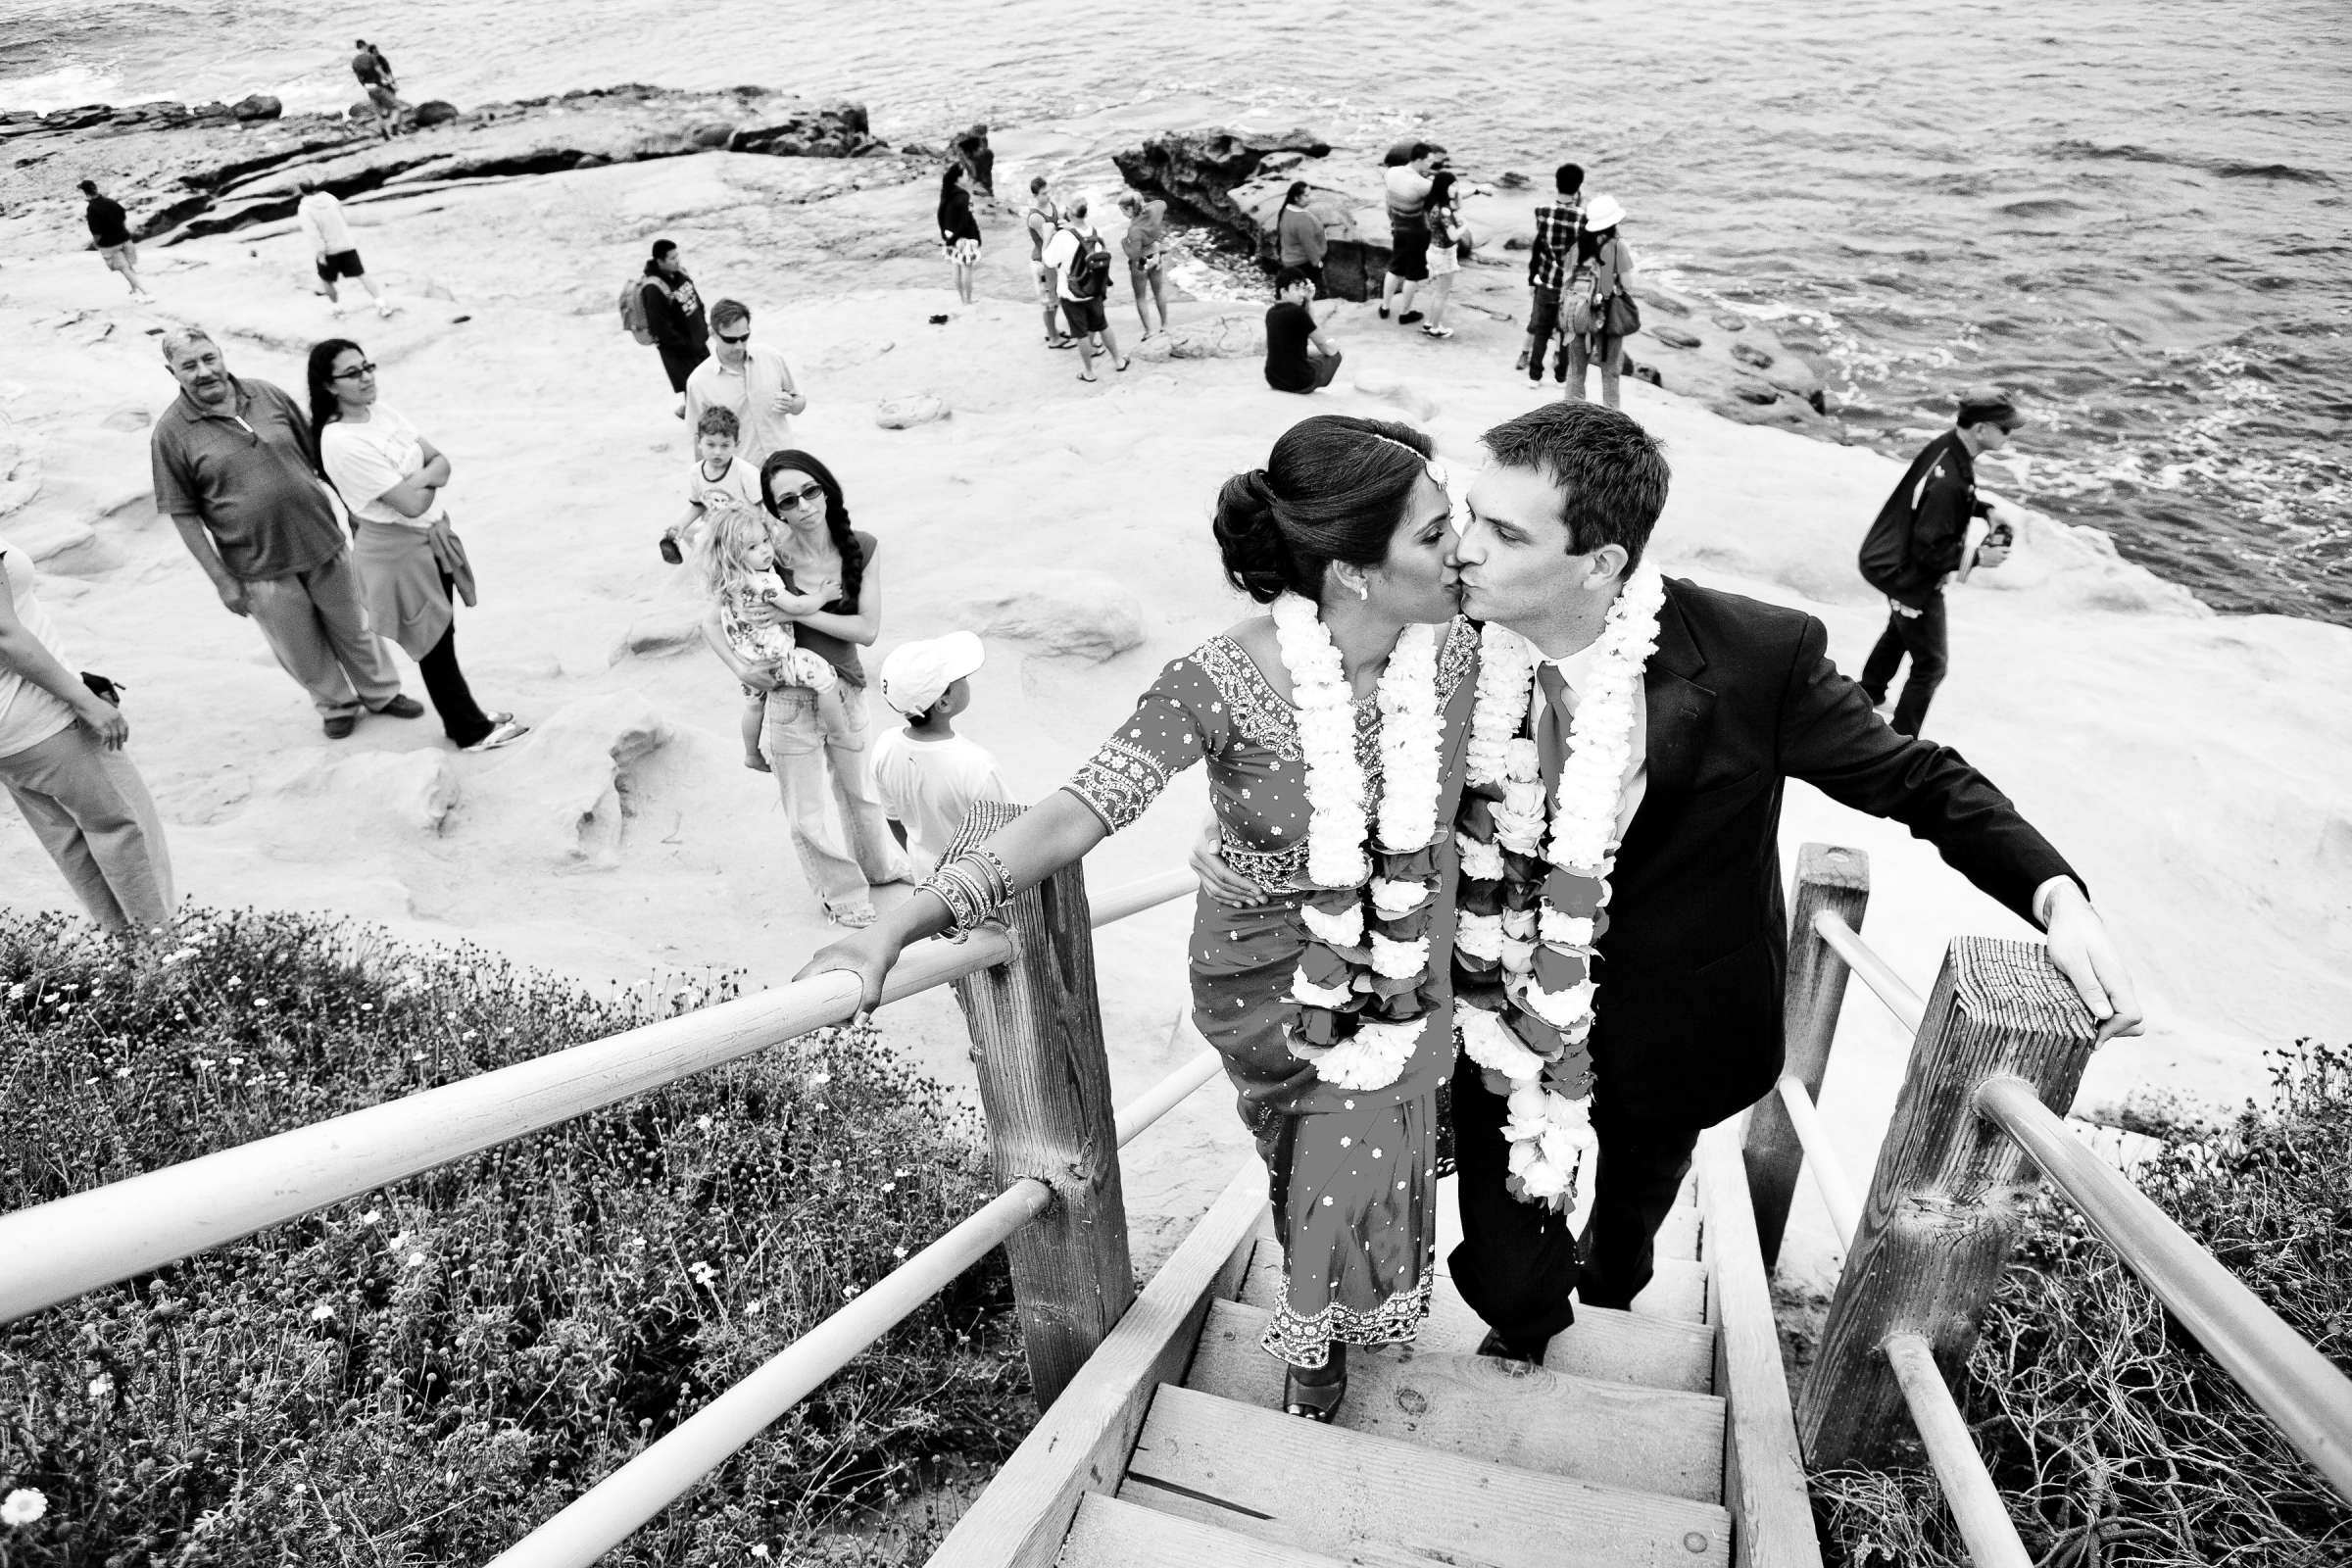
2086	954
1218	880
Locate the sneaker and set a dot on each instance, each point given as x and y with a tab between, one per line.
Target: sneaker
1384	312
498	718
506	734
1437	332
339	726
1407	318
403	707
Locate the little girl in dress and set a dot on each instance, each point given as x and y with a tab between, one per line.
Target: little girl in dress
738	567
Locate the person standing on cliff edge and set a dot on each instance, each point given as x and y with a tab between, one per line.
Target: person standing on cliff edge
383	93
109	231
1932	530
237	471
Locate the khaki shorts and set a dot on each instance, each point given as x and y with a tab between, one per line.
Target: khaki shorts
121	257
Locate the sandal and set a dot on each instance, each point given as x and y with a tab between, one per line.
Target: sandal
1312	1401
1087	375
1122	365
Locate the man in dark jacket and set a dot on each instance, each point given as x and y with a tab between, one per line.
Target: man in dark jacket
673	314
1738	698
110	232
1920	540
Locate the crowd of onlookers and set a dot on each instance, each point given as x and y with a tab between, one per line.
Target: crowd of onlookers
323	522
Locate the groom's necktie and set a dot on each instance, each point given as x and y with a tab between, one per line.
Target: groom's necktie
1551	725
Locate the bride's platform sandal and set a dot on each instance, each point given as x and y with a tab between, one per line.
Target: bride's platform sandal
1313	1402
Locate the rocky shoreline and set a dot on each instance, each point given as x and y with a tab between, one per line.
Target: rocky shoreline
1237	181
186	171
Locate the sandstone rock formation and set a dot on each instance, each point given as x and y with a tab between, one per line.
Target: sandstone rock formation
182	173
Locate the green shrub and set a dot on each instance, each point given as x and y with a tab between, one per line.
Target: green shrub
2114	1437
421	1375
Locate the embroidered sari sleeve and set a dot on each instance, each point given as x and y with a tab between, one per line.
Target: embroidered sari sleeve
1179	721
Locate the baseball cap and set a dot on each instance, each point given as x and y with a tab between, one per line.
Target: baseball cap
917	674
1990	405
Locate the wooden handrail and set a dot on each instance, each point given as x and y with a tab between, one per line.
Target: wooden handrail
2301	1390
1821	1158
1165	1095
1884	984
1968	1490
56	1251
609	1513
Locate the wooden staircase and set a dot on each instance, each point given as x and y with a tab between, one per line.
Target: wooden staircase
1652	1438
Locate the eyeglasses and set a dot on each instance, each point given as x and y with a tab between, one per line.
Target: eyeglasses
364	367
744	336
794	500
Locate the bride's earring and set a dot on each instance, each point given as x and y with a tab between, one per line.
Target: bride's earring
1362	591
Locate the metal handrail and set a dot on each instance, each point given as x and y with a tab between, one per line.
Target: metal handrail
2299	1388
1821	1160
615	1508
1884	984
56	1251
1968	1490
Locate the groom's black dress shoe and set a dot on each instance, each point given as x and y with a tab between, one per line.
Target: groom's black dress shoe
1502	1349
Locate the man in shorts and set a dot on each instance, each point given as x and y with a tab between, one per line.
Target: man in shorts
333	252
1041	218
1145	243
1408	230
1083	288
109	231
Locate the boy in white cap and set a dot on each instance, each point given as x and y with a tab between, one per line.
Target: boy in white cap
927	775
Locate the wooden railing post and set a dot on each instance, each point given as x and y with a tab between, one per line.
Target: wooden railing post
1045	1087
1837	880
1951	1191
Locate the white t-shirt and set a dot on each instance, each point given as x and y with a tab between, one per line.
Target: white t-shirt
364	461
930	786
28	716
739	486
322	221
1060	251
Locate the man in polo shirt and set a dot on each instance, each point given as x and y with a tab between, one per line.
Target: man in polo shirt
237	472
749	379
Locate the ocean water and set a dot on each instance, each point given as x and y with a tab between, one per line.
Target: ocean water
2136	212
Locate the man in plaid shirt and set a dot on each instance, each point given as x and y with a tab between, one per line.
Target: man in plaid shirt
1559	227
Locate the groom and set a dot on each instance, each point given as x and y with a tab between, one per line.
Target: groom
1739	698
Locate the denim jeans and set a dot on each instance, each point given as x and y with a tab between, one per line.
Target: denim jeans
1605	348
818	743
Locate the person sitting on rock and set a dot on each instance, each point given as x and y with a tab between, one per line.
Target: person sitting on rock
333	252
237	471
1297	357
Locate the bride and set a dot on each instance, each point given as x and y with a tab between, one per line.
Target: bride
1333	730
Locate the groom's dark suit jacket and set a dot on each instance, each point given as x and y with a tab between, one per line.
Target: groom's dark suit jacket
1741	698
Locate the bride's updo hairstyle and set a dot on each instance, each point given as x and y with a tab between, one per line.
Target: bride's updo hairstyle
1334	488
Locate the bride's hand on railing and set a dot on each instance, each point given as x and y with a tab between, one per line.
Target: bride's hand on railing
869	954
1219	880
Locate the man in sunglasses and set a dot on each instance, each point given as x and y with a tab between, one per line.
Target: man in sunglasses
748	380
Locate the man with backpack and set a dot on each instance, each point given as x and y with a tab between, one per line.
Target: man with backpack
1081	263
1932	530
664	310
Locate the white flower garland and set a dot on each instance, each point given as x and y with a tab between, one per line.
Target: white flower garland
1374	1053
1548	1082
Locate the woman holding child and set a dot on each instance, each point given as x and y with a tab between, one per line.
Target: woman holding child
1332	728
827	591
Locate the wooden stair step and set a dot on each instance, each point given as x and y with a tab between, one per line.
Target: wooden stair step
1678	1294
1108	1533
1381	1502
1677	1235
1611	1434
1609	1346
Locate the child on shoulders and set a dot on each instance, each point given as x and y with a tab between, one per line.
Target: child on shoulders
738	567
926	774
719	482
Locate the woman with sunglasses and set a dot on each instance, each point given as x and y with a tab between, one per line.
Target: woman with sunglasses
408	559
818	743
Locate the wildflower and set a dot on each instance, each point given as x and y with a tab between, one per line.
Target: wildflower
102	1387
16	993
702	1124
372	1216
204	1064
890	1187
367	1007
819	1080
321	1312
234	982
415	1260
761	1552
122	1072
755	1306
237	1061
64	1007
898	1251
22	1506
468	1035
